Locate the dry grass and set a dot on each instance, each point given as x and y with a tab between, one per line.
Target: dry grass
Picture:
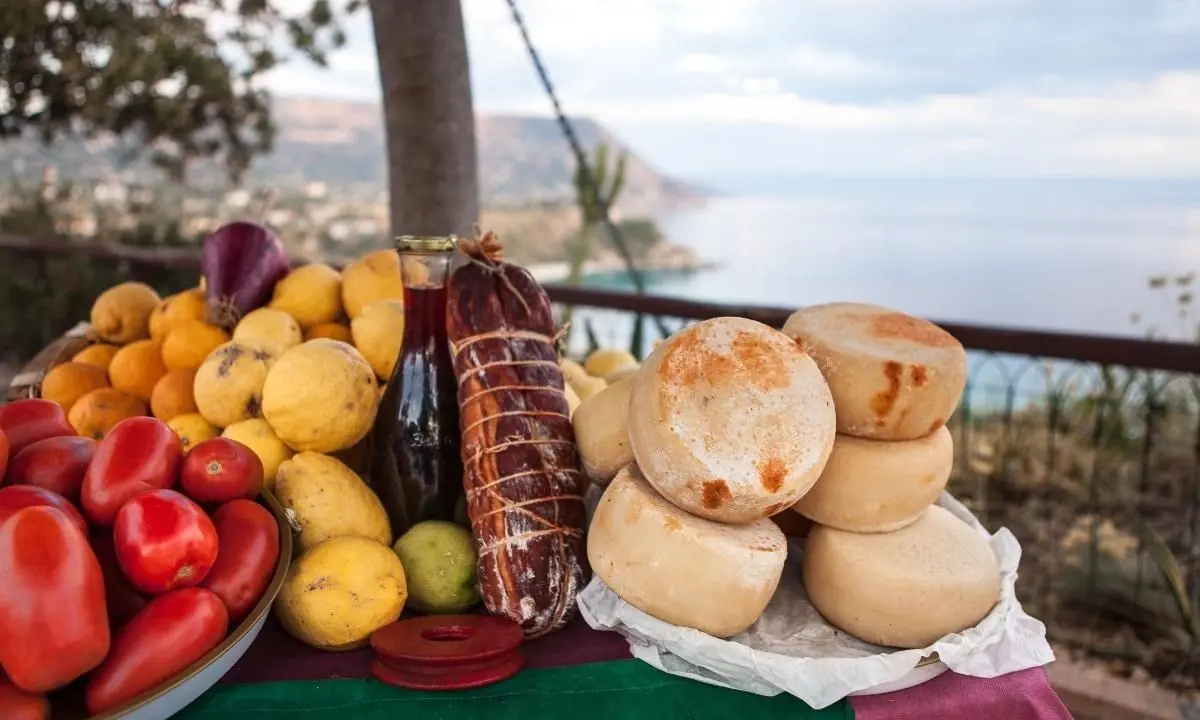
1106	514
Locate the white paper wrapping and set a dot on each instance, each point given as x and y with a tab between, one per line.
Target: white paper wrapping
792	649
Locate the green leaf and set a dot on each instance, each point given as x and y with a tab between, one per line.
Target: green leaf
321	14
637	341
592	341
618	179
1172	572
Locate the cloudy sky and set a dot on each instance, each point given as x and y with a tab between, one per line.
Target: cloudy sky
705	88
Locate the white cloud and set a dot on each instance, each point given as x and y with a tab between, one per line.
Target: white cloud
1125	129
701	63
1170	101
810	61
1179	18
941	7
802	61
701	18
922	86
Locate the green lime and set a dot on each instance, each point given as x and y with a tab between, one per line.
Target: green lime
439	564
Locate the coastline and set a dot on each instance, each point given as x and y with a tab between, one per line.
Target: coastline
665	257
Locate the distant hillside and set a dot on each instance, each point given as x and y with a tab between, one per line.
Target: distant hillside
522	159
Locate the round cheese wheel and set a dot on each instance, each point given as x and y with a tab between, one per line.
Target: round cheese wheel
605	361
602	431
893	376
878	486
679	568
583	384
906	588
624	372
573	401
730	420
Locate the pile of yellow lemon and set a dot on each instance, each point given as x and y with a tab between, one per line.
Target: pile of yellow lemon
302	373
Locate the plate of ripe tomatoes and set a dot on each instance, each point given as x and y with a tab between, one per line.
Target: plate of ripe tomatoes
132	576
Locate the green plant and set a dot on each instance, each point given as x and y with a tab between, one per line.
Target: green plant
592	202
607	189
1179	289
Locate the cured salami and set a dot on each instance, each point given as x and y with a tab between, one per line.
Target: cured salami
521	471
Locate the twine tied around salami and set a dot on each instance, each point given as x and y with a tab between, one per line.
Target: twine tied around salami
521	471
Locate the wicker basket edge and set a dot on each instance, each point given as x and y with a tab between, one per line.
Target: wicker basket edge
27	383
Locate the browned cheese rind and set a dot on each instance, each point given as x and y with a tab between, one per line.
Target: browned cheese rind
730	420
893	376
521	471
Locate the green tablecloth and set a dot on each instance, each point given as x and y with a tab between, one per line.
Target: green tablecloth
615	690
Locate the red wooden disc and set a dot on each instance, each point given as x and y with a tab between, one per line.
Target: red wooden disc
447	652
446	639
418	677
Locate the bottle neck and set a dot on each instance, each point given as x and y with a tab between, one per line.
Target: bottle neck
424	270
424	316
425	275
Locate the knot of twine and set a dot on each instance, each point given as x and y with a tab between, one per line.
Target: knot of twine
487	252
485	249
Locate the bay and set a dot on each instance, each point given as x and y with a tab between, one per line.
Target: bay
1072	255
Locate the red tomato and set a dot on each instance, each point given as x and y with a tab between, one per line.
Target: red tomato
53	621
3	455
248	549
219	470
27	421
121	597
16	704
56	464
137	455
172	632
164	541
18	497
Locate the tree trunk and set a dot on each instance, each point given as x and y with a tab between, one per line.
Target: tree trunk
428	116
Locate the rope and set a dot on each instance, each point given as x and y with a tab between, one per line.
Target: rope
589	181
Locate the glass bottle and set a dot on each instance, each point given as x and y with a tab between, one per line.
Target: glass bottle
416	469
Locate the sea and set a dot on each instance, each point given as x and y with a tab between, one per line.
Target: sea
1055	254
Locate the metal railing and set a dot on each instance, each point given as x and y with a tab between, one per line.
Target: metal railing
1087	448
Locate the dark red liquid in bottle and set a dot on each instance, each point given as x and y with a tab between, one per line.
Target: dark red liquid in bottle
416	468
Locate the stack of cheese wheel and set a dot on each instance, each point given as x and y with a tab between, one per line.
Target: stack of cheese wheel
726	423
881	563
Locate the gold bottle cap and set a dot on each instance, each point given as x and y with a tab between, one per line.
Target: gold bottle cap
426	243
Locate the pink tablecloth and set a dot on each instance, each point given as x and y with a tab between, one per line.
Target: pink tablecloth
1024	695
